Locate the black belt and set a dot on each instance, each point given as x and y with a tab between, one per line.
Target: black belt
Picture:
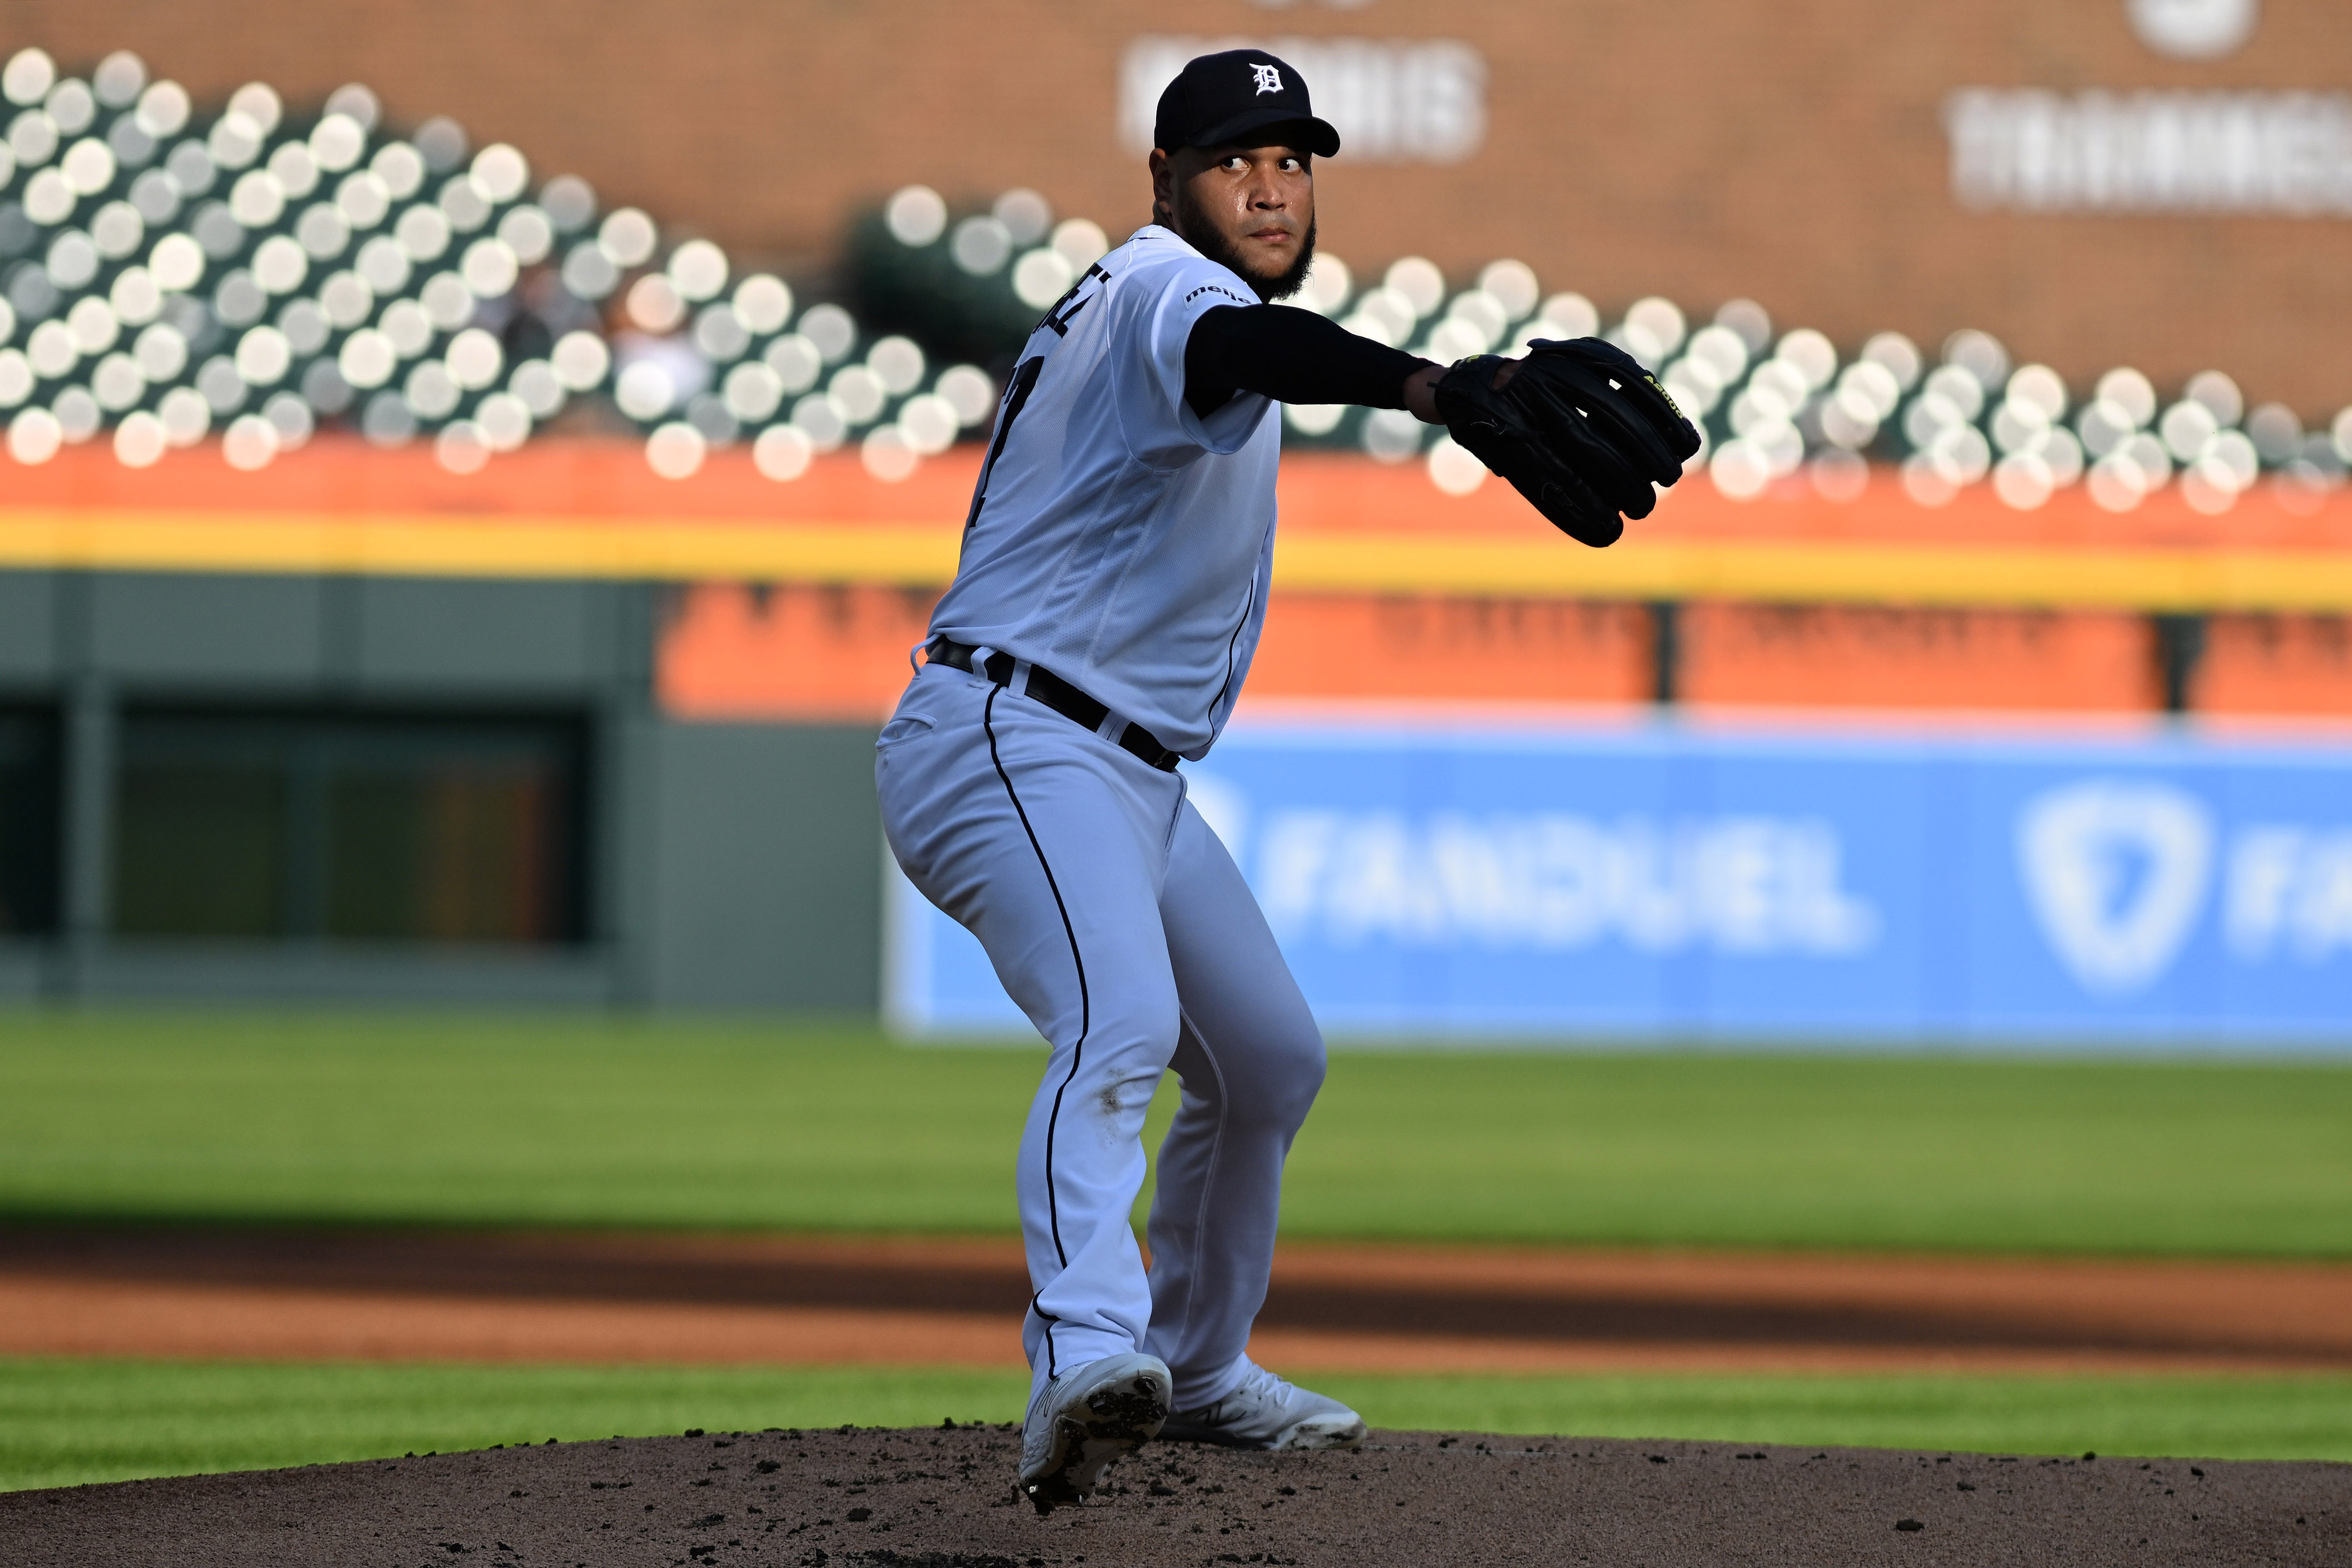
1055	693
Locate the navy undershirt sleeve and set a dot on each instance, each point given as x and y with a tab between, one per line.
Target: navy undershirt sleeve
1292	356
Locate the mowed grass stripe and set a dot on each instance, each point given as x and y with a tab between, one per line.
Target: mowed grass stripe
65	1423
827	1126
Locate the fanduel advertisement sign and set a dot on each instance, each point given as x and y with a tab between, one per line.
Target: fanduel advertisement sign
1681	885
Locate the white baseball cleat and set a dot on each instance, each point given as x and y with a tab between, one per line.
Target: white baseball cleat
1085	1418
1266	1412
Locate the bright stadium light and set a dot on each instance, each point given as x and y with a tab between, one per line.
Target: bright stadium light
89	166
1325	289
297	172
569	202
233	141
337	142
34	437
927	424
1041	277
489	268
29	75
2218	395
1898	354
676	450
645	391
627	236
525	231
1513	284
422	233
117	230
291	417
155	196
405	323
161	351
820	419
763	303
968	390
441	142
134	296
1080	242
539	389
653	306
719	333
72	105
257	200
362	198
796	361
383	265
322	232
461	448
474	359
72	260
1417	278
831	329
305	327
783	453
580	361
163	109
430	391
752	393
280	265
505	421
897	364
49	197
886	455
177	262
588	273
400	167
462	203
447	301
1568	314
501	172
698	270
1026	214
355	103
916	215
981	247
140	441
367	359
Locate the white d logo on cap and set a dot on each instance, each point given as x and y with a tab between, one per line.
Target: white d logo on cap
1270	80
2193	29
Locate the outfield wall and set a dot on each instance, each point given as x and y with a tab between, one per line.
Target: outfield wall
1568	876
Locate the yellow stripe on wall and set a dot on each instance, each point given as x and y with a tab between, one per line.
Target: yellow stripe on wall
918	554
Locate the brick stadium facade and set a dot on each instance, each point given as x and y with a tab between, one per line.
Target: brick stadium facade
1795	153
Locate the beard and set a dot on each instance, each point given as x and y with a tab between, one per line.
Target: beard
1192	221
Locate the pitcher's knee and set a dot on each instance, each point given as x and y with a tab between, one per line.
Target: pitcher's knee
1285	1073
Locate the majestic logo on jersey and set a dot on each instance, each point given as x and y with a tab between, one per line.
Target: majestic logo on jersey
1269	80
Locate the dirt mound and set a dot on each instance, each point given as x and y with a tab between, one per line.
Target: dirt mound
944	1499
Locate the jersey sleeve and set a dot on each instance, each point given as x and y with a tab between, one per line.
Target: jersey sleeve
1161	428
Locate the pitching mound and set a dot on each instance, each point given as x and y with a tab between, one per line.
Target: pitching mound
864	1498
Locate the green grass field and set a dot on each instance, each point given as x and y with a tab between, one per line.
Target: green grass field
532	1119
62	1422
589	1121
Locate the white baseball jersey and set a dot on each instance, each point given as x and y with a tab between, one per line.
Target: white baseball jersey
1116	538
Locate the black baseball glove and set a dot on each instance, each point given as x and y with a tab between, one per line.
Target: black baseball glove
1578	427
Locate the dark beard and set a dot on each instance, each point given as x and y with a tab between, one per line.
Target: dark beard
1204	237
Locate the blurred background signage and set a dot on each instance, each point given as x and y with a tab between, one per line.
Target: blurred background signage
1673	884
1393	100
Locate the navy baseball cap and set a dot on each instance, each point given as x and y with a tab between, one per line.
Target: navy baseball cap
1219	101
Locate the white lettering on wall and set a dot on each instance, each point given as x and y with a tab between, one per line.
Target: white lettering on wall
1393	100
2037	151
1736	884
2289	887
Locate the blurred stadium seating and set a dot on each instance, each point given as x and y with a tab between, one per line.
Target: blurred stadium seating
254	270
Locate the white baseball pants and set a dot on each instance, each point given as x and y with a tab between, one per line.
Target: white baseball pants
1119	923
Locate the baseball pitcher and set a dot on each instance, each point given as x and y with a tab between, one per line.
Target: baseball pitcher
1113	581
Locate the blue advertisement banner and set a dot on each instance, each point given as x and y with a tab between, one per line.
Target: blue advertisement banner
1685	885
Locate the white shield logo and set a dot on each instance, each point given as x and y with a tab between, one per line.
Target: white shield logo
2116	870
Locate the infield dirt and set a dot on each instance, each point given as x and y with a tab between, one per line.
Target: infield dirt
944	1499
718	1301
